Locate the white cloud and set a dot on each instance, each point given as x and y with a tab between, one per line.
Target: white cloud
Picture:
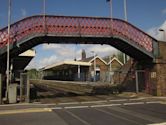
101	50
45	61
61	52
164	11
154	32
23	12
65	50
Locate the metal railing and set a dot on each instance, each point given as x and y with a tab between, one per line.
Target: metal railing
76	26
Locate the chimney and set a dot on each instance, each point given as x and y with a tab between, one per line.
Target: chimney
83	54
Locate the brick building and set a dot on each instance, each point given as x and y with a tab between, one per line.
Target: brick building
87	69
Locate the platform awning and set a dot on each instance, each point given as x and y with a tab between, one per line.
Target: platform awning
66	64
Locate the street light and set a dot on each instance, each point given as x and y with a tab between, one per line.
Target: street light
94	55
44	14
126	19
125	10
164	33
8	51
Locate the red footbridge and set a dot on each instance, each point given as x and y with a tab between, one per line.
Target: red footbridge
35	30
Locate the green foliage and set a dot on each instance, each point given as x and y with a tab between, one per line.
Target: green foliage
120	56
34	74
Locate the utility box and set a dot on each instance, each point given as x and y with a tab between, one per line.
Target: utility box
12	93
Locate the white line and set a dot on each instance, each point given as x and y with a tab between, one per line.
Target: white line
27	104
135	103
56	108
152	102
68	103
164	123
87	102
77	117
118	100
75	107
117	116
109	105
136	99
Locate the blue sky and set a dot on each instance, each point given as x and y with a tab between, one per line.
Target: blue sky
147	15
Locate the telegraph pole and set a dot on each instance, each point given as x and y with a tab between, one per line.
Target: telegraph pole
8	51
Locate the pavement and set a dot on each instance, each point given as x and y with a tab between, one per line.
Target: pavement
123	111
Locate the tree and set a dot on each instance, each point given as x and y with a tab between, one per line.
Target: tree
120	56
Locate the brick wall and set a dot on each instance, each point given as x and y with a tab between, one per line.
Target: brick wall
158	72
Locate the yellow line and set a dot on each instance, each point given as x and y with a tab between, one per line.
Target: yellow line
29	110
163	103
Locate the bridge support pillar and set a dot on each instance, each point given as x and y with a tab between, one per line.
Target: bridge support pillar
156	84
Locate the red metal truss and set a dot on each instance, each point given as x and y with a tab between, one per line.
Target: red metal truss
76	26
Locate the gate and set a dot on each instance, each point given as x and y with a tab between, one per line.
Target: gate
140	80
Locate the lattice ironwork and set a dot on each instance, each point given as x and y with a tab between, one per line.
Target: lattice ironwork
76	26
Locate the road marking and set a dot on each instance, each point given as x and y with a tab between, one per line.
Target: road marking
19	111
78	118
164	123
136	99
135	103
118	100
68	103
109	105
136	114
75	107
87	102
56	108
117	116
153	102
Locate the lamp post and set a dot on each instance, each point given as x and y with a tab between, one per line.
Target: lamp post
125	10
94	66
8	51
44	14
126	19
164	34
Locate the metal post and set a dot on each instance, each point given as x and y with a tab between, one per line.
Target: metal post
94	56
21	87
94	67
136	81
78	72
8	52
111	10
126	19
110	71
44	15
0	89
28	89
125	10
111	15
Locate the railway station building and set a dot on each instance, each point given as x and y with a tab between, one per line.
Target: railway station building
92	68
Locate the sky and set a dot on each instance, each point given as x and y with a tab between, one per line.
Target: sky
148	15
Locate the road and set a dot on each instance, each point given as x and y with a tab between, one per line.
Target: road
95	113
